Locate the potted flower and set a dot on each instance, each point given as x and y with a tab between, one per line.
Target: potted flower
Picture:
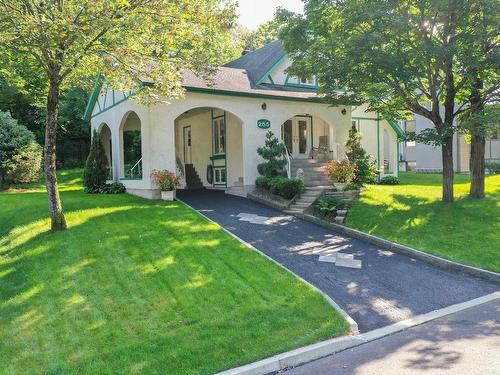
341	172
167	182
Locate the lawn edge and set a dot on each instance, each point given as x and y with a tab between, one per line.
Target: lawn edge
325	348
353	326
406	250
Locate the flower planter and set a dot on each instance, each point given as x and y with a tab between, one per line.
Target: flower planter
168	195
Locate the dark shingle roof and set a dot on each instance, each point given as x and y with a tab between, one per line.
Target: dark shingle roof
258	62
237	81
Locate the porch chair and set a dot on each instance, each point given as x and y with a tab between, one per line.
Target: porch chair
322	149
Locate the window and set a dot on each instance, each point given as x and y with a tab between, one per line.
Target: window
219	135
410	127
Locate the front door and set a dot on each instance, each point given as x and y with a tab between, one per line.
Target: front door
186	132
297	137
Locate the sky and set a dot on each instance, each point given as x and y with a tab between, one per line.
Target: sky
254	12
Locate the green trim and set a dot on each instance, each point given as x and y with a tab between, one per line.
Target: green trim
365	118
87	114
252	95
301	85
111	106
271	79
279	61
218	157
397	159
394	125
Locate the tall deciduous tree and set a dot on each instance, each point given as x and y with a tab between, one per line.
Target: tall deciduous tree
400	56
127	41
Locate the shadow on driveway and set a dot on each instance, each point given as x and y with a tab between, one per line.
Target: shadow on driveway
389	287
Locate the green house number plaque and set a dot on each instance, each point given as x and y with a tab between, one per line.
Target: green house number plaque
264	123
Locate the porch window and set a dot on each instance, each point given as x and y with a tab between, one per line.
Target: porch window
219	135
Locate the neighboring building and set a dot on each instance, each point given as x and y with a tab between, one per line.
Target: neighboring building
420	157
212	134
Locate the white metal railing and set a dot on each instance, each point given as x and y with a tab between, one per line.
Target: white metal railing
180	170
288	162
137	165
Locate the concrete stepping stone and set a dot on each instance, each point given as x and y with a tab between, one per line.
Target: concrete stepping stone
349	263
332	258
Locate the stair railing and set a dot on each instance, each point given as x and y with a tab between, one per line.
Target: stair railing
180	170
288	162
137	166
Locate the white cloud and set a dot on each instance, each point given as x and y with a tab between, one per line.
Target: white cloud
254	12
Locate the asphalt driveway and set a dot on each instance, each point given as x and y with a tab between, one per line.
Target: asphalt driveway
388	288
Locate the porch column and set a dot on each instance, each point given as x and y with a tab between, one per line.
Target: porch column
116	150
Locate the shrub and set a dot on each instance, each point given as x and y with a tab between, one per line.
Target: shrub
165	180
263	182
389	180
329	205
286	187
366	168
96	170
493	167
20	155
340	170
113	188
273	151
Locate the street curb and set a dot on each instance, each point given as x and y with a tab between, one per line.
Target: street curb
315	351
353	326
406	250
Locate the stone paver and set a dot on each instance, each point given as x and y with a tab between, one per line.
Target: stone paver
390	287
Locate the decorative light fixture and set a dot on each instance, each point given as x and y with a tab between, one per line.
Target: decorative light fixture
344	111
263	106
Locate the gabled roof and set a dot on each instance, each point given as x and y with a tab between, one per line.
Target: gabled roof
260	62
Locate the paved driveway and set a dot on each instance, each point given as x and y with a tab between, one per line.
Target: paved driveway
466	342
388	288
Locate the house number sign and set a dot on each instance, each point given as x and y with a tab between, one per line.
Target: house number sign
264	123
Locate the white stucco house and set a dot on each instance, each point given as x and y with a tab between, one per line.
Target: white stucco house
211	135
420	157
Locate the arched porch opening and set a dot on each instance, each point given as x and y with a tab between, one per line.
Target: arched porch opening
131	147
310	137
209	148
105	135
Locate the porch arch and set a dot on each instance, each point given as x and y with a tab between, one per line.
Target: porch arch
209	147
131	146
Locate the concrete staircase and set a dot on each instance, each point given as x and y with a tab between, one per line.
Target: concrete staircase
307	198
314	180
193	181
313	172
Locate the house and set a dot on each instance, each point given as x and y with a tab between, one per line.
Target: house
415	156
211	135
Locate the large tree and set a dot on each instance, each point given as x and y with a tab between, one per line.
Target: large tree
126	41
400	56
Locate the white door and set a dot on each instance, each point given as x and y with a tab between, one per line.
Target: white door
187	144
297	137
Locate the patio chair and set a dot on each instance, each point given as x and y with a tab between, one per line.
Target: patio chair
322	151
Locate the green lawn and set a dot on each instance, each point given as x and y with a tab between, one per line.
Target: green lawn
139	286
467	231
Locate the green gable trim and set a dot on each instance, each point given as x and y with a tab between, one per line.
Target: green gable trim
394	125
270	79
277	62
251	95
301	85
93	98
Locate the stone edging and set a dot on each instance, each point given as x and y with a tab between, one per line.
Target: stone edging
353	326
321	349
406	250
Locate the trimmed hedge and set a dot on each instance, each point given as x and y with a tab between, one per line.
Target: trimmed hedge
282	186
389	180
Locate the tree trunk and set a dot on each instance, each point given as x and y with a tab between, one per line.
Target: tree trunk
447	156
478	142
58	222
477	167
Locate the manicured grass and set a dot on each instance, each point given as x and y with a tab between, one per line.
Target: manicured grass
467	231
138	286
